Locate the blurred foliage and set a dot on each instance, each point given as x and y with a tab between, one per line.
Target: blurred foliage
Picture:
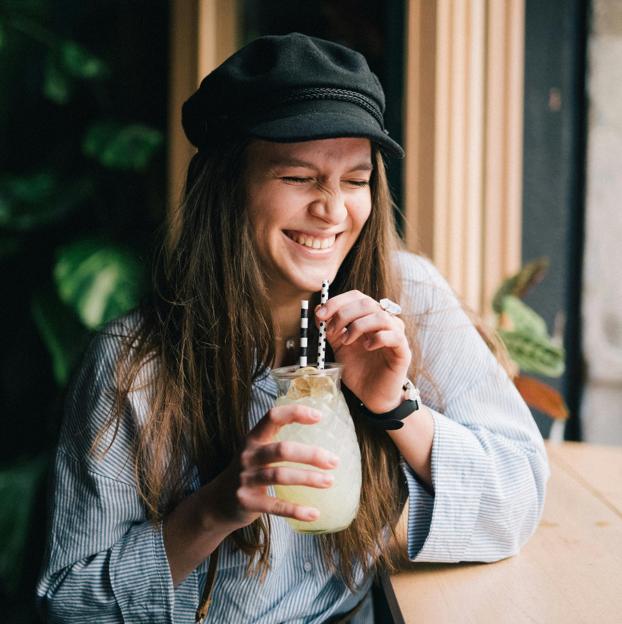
122	147
82	113
18	487
518	285
61	331
39	199
527	340
98	281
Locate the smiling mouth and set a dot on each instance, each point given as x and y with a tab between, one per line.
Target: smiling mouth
311	242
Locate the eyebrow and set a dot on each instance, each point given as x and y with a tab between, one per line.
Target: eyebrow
294	162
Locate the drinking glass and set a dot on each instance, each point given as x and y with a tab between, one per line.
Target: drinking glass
335	432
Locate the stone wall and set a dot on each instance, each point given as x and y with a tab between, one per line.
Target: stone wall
601	412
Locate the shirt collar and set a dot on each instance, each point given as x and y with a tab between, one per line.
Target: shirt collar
266	383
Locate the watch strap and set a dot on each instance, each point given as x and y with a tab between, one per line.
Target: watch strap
392	419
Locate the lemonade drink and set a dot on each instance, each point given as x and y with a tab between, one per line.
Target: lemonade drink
335	432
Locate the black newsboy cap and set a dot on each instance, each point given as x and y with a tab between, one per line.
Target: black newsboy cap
286	89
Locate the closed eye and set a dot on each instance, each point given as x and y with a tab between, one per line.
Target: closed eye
302	180
295	180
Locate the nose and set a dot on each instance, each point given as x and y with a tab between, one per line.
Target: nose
330	206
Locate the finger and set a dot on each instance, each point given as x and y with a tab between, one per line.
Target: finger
252	501
329	309
349	313
277	417
286	475
380	321
287	450
388	339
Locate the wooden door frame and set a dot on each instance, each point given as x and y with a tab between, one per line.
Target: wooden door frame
203	33
463	140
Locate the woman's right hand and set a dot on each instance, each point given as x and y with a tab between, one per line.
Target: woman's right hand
240	492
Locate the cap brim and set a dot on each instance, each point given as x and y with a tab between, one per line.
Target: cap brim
310	126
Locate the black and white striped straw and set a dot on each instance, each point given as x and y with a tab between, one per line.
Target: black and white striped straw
304	328
321	347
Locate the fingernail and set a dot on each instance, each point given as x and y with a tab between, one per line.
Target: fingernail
321	313
328	478
311	514
333	460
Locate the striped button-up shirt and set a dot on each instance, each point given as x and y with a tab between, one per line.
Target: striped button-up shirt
106	562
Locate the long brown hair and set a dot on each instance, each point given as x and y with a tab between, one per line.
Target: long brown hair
208	333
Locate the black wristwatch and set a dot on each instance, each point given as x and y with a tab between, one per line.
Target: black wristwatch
393	419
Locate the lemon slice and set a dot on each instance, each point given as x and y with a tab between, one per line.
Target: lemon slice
309	383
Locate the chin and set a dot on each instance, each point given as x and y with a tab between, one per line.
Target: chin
309	279
311	284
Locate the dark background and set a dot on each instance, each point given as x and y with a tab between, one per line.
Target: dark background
554	175
66	67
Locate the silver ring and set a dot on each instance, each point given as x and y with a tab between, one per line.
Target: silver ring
390	306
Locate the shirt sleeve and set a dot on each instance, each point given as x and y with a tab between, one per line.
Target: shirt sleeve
489	465
105	561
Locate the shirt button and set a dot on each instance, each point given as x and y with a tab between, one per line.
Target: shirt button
307	566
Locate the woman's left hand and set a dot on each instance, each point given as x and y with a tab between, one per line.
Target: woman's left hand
372	346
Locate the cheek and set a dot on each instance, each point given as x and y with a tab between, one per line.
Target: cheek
259	218
268	208
360	214
264	228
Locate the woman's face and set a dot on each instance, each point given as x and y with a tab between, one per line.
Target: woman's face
307	203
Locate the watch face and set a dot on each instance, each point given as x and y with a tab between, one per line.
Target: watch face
412	393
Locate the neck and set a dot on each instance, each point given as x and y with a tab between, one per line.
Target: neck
286	321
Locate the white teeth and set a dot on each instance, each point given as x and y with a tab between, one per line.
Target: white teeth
314	243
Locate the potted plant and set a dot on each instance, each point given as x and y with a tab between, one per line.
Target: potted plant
529	345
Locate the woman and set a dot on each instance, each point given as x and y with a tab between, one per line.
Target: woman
167	449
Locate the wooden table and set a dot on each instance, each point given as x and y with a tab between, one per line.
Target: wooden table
569	572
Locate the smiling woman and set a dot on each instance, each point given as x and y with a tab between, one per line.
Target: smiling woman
169	452
307	204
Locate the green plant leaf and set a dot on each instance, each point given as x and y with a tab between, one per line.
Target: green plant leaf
36	200
61	331
520	283
533	353
57	86
99	281
524	320
80	63
18	487
116	146
34	188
